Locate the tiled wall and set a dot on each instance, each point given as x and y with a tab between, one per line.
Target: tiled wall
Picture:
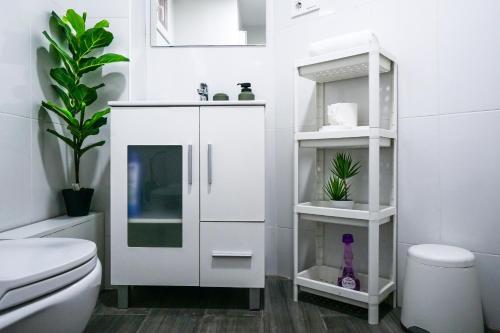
449	120
34	165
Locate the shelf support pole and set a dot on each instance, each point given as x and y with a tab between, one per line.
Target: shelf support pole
394	199
296	189
373	271
374	87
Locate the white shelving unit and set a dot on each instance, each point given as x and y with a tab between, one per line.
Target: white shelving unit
365	60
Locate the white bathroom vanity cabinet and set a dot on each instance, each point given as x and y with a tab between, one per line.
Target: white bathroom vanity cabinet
188	195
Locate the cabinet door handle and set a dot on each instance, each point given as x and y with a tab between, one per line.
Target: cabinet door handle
190	164
232	254
209	168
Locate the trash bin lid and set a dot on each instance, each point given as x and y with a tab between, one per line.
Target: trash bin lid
441	255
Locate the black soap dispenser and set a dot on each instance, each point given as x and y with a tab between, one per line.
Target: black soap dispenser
246	92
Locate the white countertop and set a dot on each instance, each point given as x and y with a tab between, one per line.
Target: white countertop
187	103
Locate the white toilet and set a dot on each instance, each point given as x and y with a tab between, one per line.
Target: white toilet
48	284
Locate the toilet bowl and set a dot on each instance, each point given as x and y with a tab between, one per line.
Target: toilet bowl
48	284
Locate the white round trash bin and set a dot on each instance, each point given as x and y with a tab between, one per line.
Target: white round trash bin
441	290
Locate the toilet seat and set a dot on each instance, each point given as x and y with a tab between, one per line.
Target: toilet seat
31	268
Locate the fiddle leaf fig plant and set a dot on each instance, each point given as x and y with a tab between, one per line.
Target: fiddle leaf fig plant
76	51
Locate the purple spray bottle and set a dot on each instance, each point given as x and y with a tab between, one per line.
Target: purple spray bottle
347	277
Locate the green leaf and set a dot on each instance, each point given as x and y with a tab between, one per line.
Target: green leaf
68	33
61	76
84	94
68	141
69	63
76	21
102	24
97	144
343	167
61	112
91	64
63	96
92	39
97	120
336	189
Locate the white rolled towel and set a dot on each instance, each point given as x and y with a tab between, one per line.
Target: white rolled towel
341	42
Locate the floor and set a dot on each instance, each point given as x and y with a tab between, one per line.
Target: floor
184	309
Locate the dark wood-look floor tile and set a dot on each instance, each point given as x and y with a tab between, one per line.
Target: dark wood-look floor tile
206	310
114	323
282	314
229	324
107	305
341	324
179	320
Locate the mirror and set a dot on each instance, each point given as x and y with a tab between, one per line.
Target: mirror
208	22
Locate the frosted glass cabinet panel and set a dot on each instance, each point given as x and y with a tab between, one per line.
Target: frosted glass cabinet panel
154	196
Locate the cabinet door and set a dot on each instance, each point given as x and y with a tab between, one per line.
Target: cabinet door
155	196
232	185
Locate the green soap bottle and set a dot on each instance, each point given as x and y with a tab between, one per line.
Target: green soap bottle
246	92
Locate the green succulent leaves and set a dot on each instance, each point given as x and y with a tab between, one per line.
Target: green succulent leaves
75	52
335	189
342	168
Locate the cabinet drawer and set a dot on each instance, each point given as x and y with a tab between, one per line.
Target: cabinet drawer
232	254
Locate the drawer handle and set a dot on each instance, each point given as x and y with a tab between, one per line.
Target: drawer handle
232	254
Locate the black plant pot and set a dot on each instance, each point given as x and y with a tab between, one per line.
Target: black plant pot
78	202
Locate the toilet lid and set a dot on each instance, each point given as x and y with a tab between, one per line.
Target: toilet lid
31	267
441	255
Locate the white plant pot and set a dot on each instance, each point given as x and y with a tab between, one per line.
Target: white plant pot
344	204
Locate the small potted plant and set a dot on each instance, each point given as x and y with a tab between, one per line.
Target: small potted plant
337	188
75	50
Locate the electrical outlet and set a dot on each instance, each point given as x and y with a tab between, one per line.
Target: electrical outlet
301	7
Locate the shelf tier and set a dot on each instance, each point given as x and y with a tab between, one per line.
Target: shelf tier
153	220
157	216
356	137
335	67
321	211
322	280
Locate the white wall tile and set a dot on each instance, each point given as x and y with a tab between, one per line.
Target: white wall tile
284	178
419	195
96	8
15	171
42	60
489	275
417	54
271	215
401	265
15	61
49	171
470	160
468	56
284	252
271	251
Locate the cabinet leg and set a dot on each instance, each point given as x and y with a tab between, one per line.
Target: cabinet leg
373	314
295	292
122	297
254	298
394	299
